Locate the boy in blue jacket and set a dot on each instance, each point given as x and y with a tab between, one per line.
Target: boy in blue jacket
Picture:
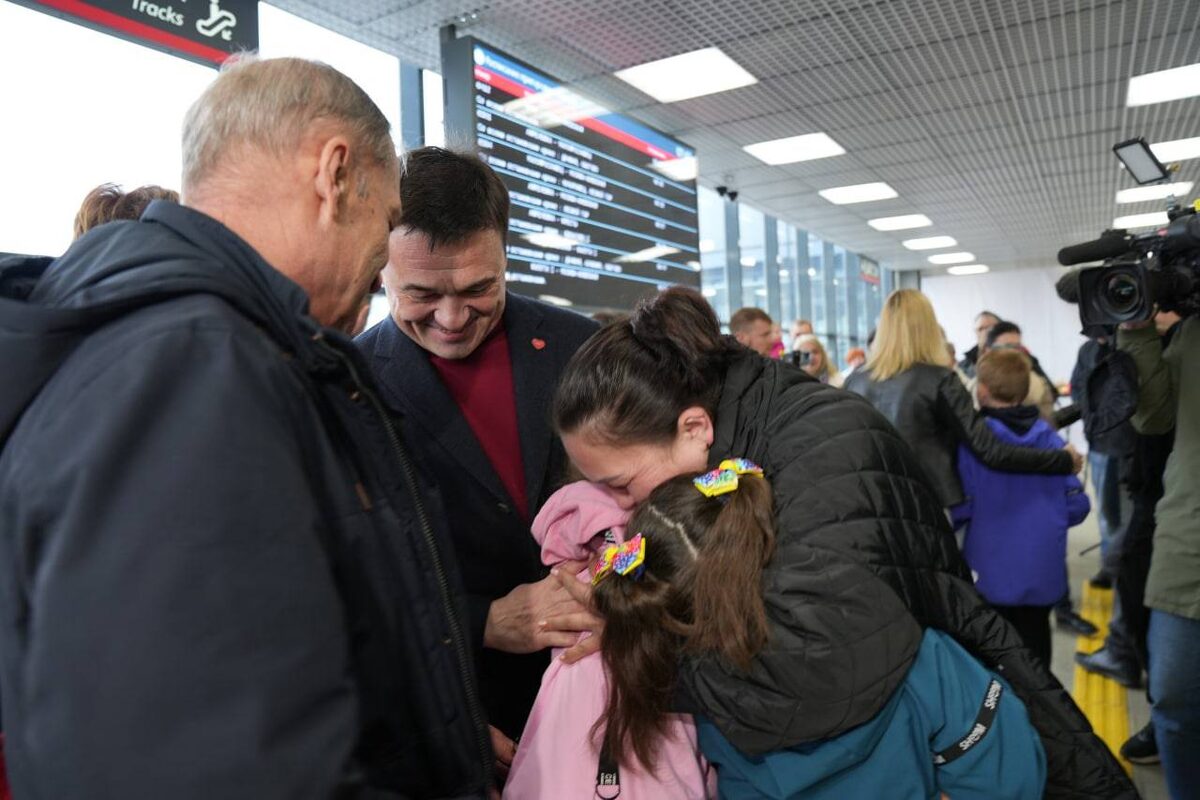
1016	538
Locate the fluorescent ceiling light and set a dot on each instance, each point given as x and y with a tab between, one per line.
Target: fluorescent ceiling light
1167	84
808	147
555	300
1155	220
901	223
968	269
1161	192
707	245
951	258
859	193
708	291
930	242
551	240
678	169
649	254
693	74
1177	149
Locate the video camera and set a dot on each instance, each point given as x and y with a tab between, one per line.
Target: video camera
1143	273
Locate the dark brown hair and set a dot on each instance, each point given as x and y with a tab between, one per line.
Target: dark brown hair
631	380
107	203
700	592
1005	373
448	196
745	317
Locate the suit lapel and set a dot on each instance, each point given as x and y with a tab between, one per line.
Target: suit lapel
412	385
534	376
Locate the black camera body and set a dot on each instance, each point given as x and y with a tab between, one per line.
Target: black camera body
1141	274
801	358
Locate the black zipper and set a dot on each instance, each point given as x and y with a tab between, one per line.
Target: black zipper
460	648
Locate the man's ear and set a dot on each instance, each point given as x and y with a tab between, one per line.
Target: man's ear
695	425
332	179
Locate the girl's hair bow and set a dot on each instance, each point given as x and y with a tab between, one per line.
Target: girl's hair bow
724	478
621	559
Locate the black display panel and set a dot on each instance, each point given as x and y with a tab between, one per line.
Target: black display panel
603	209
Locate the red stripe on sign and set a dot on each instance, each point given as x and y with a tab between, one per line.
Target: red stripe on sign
138	29
502	83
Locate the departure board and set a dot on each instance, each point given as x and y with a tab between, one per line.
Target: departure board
603	208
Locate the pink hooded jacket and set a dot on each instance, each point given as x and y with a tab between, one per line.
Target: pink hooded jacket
556	757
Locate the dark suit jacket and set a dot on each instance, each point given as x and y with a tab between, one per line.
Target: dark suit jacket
494	547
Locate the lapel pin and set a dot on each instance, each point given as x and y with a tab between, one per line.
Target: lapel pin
538	344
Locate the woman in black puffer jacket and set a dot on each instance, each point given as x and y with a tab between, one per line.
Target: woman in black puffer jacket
906	379
663	394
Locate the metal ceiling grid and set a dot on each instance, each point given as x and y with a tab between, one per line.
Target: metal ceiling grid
994	118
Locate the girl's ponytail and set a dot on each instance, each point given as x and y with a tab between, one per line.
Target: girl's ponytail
729	615
642	638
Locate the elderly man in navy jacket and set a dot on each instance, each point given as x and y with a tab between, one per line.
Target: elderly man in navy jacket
220	575
470	369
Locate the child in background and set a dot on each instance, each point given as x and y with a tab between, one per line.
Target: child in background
694	584
1016	525
559	755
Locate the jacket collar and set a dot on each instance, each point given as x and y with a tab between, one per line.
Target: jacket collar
412	385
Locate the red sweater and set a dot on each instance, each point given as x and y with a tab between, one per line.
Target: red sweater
482	386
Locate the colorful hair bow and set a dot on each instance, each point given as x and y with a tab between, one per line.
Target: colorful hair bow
724	478
621	559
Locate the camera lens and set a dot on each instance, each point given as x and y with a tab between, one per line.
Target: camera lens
1122	294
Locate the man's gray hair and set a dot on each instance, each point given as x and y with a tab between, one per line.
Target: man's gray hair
270	104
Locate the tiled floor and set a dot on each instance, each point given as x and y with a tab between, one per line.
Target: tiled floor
1149	780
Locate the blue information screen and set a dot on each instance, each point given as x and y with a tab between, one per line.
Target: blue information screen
603	207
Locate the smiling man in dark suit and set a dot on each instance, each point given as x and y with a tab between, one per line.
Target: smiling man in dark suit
470	369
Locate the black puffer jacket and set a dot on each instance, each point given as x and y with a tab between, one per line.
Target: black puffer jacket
852	500
934	413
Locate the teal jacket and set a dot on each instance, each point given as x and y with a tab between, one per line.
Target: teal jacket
951	727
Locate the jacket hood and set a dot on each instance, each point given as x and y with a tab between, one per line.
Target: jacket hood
47	307
1018	419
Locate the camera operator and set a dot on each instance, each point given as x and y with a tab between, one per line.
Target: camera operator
1169	397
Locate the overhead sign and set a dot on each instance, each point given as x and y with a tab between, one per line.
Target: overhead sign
868	270
207	32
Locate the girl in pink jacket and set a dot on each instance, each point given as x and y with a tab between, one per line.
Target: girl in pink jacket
559	752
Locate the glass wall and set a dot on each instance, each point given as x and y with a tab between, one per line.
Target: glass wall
714	277
816	283
840	291
787	262
752	249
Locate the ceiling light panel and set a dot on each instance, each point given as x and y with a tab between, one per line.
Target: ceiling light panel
808	147
1177	150
687	75
1155	220
858	193
901	223
952	258
1165	85
930	243
1141	194
968	269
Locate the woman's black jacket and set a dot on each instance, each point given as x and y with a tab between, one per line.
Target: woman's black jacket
934	413
864	560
